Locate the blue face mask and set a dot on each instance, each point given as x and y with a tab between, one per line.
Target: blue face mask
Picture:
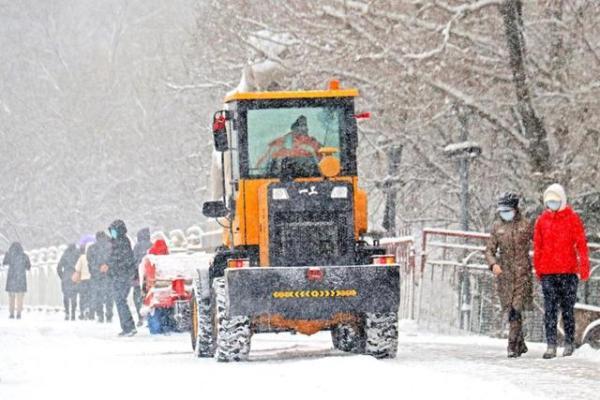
507	215
553	205
113	233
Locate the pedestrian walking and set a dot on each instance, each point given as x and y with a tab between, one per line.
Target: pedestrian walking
561	259
121	267
16	280
140	249
82	271
507	254
98	256
66	270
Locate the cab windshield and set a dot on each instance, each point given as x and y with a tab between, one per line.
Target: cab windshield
289	139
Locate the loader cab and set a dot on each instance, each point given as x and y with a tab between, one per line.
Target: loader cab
282	138
286	207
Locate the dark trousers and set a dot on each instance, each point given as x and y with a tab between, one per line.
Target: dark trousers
560	291
137	299
103	298
121	291
70	302
83	288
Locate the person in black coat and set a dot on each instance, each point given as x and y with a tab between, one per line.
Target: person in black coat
16	279
98	257
121	265
65	270
140	249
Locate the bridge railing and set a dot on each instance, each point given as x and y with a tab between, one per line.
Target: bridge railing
448	288
456	290
43	284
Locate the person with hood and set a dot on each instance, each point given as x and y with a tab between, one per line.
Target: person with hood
147	269
98	256
560	259
121	265
65	270
158	318
297	143
507	254
140	249
82	271
16	280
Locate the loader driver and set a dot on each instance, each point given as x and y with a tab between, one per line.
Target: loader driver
296	144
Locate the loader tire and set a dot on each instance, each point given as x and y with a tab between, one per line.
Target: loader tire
233	333
349	338
593	338
381	331
202	326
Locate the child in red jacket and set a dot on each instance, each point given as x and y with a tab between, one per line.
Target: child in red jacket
560	259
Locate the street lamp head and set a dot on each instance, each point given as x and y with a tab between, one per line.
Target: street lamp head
467	149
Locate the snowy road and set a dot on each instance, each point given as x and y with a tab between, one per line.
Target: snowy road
45	356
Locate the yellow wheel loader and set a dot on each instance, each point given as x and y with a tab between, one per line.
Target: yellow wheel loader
293	256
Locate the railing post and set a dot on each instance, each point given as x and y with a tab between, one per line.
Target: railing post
411	266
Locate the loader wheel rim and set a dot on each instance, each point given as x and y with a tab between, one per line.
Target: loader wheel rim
194	321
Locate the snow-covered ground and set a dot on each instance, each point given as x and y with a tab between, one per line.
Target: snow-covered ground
43	356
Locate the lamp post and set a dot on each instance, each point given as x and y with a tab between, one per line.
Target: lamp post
464	152
389	184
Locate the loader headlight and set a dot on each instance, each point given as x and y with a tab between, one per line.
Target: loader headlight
280	194
339	192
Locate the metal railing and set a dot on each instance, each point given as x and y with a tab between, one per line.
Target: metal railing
449	289
404	250
456	289
44	286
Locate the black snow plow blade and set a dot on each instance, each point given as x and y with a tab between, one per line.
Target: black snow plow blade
313	293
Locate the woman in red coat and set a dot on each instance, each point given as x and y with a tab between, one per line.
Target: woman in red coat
560	260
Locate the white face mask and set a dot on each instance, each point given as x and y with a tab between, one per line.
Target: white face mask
553	205
507	215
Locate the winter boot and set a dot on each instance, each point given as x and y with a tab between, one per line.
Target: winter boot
550	352
514	339
18	315
522	347
513	349
11	316
569	349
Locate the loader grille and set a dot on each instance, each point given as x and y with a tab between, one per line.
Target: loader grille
312	232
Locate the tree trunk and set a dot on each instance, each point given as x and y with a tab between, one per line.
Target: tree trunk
538	151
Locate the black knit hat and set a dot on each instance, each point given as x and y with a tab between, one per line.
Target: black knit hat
508	201
300	124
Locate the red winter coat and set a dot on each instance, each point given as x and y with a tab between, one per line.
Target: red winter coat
148	269
159	248
559	244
